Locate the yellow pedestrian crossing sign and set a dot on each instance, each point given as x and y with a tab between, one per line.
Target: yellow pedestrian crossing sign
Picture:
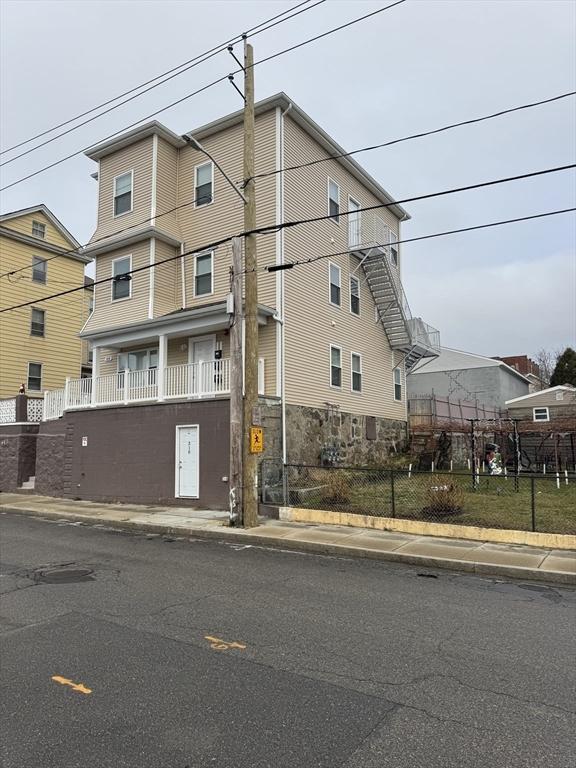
256	440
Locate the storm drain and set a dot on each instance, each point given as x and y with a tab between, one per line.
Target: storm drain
63	575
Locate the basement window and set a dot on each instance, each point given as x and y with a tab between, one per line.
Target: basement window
541	414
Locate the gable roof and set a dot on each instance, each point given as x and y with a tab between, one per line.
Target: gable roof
49	215
130	137
559	387
456	360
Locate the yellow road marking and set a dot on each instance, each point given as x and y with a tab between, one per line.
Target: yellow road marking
222	645
75	686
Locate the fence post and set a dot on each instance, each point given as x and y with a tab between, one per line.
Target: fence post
393	495
533	503
67	393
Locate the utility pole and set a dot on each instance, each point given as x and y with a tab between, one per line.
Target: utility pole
250	461
236	420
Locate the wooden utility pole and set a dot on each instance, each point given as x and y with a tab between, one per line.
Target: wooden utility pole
236	419
250	461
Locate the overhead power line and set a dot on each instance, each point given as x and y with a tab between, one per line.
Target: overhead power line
418	135
196	92
167	75
285	225
312	259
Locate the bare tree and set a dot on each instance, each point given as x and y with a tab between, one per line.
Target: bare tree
546	360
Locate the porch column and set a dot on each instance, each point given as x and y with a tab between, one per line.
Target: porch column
162	360
95	373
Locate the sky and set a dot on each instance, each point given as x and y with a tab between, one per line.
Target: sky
423	64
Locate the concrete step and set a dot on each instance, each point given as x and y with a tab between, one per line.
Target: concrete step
29	484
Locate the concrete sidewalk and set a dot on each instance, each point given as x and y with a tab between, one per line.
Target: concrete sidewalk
504	560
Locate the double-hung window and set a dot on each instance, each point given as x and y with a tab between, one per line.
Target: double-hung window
39	269
393	248
35	377
397	384
335	366
356	372
37	322
203	184
123	193
203	274
38	229
122	280
335	284
541	414
333	201
354	295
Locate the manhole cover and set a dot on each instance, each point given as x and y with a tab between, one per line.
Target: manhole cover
63	575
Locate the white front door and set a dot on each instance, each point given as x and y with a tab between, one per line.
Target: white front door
187	462
202	351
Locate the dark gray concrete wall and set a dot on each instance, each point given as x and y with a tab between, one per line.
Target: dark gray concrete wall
17	454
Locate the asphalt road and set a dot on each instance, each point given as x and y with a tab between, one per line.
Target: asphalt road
185	654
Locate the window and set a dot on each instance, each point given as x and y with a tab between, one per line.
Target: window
354	295
335	284
356	372
541	414
203	275
38	269
393	248
203	184
121	284
35	377
123	193
38	229
333	201
397	384
335	367
139	360
559	395
37	323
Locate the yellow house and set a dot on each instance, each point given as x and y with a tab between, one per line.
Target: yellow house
39	343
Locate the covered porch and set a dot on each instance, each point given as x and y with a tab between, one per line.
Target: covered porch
184	355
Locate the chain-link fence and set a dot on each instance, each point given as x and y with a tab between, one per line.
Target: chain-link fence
542	503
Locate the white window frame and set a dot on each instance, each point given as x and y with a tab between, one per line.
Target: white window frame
199	256
148	350
352	200
43	228
335	386
352	372
331	218
122	298
196	167
40	261
393	245
541	408
28	387
124	213
357	280
330	265
38	335
397	383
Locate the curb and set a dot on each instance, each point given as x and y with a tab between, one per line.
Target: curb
221	533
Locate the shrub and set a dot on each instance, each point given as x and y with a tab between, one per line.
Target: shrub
443	499
336	488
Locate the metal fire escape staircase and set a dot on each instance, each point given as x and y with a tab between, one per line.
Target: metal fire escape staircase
407	334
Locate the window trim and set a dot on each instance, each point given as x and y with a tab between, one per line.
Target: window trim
330	265
399	384
357	279
131	351
335	386
540	408
39	224
330	217
393	242
114	195
196	257
28	387
200	165
352	372
122	298
358	210
40	261
38	335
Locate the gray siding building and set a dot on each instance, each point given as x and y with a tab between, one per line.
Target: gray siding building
464	376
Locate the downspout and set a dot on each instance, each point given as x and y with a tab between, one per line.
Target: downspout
281	274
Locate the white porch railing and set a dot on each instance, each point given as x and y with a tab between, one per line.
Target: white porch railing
195	380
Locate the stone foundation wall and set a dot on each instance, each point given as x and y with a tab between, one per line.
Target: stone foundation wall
17	455
314	435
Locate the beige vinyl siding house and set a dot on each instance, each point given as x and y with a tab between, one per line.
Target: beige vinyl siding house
549	405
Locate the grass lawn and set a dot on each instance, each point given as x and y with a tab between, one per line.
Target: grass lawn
494	504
